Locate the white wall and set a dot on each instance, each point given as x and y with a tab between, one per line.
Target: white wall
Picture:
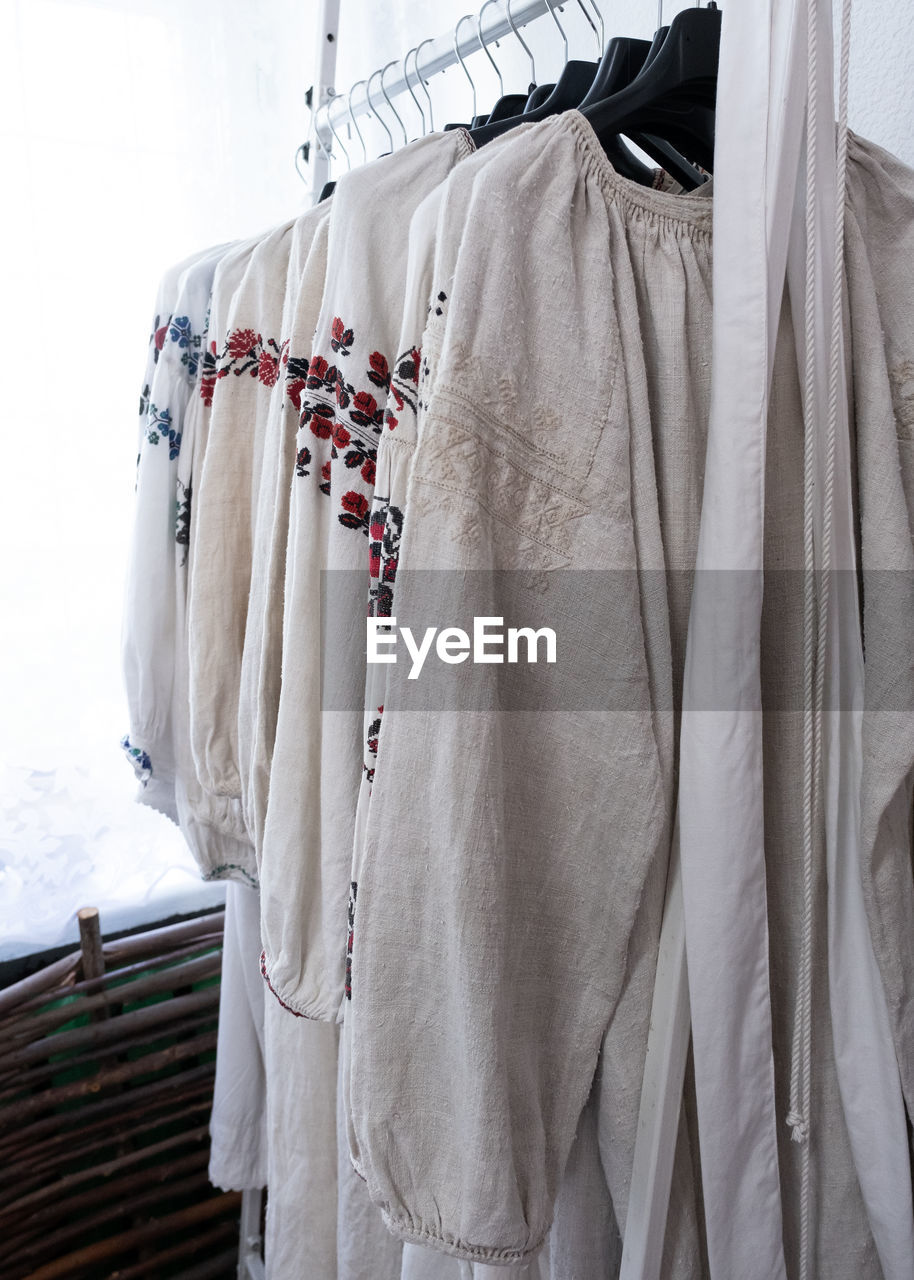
131	133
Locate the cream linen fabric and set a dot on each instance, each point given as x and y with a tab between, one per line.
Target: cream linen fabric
507	974
570	1251
238	1122
249	367
148	642
301	1063
482	891
272	1121
212	825
261	663
880	265
308	835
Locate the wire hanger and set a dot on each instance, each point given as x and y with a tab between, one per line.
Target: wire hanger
352	118
507	104
555	18
485	47
466	16
334	132
601	34
390	104
424	83
380	119
409	88
523	45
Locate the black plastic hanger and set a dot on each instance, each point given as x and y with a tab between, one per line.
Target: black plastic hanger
621	62
538	95
673	98
509	104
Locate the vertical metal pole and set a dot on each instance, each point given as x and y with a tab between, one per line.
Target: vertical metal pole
328	27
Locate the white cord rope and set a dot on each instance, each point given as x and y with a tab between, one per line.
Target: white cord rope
798	1117
814	663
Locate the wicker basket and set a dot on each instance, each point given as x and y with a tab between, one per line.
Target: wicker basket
107	1059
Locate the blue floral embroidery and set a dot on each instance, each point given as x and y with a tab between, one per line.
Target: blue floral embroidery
188	342
179	331
142	765
159	427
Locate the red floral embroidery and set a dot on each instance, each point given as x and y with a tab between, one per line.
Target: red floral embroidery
357	503
244	352
317	371
160	335
294	390
209	375
241	342
341	338
350	916
352	441
364	409
379	373
302	461
268	369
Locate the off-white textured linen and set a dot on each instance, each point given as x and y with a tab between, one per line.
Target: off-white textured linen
880	260
272	1122
249	367
430	271
149	623
317	754
212	825
261	663
508	999
444	859
238	1122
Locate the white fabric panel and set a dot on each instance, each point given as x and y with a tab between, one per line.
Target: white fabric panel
720	799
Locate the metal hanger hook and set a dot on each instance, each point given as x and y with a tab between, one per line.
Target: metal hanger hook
380	119
466	17
555	19
424	83
333	130
523	43
485	47
399	120
352	118
409	87
601	34
659	14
